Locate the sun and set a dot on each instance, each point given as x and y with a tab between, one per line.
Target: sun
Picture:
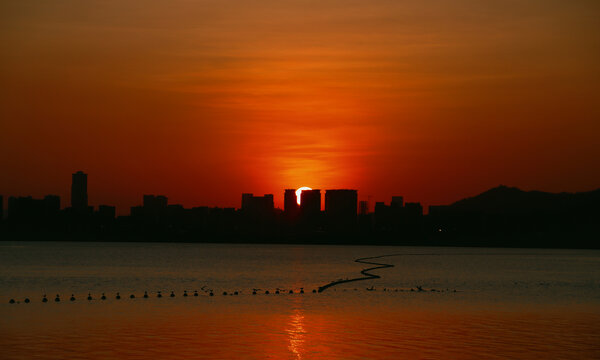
299	192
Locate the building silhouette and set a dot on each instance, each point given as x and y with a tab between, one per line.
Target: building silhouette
414	209
310	208
26	209
258	205
291	208
154	207
397	201
341	209
1	208
106	212
79	195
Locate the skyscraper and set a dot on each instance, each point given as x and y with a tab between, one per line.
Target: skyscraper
340	208
290	203
79	196
310	203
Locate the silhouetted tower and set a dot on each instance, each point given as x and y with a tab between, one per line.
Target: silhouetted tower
79	196
310	204
290	203
1	208
340	208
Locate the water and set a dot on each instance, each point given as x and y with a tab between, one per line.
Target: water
505	303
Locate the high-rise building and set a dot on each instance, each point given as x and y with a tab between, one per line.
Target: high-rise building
290	203
310	202
340	208
79	195
1	208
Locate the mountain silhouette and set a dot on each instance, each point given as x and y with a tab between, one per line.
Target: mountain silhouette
512	200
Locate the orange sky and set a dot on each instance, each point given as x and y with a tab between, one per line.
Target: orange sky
204	100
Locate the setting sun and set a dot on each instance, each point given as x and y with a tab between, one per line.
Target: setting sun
299	192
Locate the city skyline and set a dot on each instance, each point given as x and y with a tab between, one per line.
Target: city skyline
203	101
79	198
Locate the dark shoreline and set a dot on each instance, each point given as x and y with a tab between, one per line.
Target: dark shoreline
517	241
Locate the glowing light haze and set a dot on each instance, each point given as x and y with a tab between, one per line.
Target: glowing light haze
204	100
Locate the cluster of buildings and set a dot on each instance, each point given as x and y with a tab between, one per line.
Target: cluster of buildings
28	210
301	213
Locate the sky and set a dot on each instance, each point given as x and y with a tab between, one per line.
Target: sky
203	100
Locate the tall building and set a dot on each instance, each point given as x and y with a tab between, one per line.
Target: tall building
341	208
290	203
1	208
79	195
310	202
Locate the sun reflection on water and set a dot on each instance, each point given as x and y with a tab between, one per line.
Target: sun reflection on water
296	333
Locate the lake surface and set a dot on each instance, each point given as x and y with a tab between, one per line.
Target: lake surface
491	303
